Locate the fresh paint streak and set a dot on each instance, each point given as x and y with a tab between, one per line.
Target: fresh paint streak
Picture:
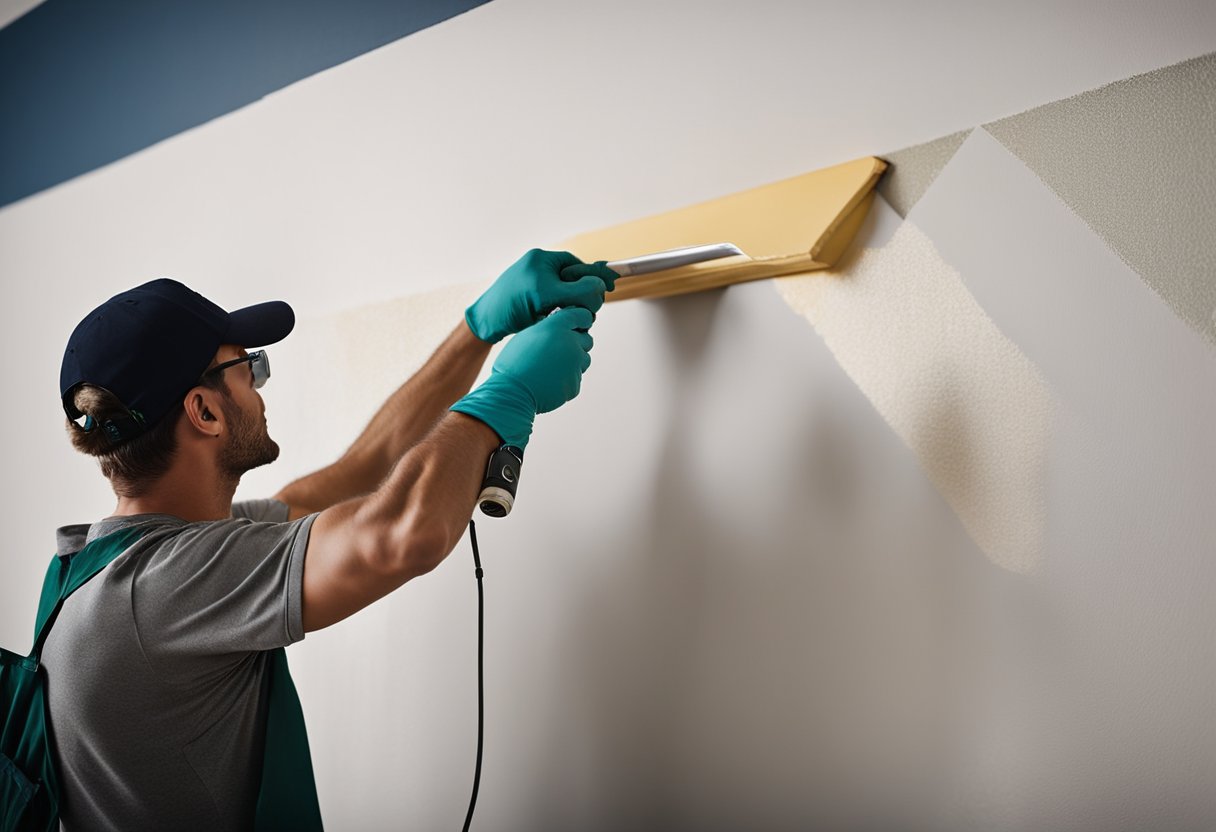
1131	470
973	408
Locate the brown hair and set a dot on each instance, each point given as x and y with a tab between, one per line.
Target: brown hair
133	466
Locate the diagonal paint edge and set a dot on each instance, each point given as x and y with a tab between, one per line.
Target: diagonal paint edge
16	9
914	168
84	84
973	409
1136	161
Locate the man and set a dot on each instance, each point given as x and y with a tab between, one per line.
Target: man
159	669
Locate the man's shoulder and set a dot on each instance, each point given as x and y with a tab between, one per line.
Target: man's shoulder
268	510
171	544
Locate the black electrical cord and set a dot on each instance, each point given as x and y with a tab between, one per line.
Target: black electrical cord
481	688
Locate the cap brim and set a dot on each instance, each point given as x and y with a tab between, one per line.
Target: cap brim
259	325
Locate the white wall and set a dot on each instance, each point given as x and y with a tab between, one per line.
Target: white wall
730	597
10	10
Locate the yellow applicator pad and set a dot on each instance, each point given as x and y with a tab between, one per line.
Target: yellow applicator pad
787	227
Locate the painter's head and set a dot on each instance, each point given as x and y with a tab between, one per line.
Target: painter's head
160	366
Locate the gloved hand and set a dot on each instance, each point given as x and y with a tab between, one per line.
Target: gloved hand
539	370
534	286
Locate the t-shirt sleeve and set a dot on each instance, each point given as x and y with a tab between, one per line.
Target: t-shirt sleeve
268	510
221	589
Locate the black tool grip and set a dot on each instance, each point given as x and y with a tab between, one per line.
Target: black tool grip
502	478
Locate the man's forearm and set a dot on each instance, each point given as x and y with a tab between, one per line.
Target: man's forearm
402	421
362	549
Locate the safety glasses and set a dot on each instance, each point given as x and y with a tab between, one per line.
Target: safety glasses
258	363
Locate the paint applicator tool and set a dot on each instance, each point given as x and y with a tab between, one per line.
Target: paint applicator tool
787	227
498	487
792	226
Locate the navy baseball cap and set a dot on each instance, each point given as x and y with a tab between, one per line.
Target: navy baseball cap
151	344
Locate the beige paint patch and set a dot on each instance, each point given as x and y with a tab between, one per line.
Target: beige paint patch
913	170
970	405
373	349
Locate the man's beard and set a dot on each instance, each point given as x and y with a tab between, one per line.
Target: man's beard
248	446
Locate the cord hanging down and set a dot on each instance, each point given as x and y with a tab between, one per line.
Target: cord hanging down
480	673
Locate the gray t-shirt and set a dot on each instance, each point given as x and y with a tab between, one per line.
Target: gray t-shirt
156	668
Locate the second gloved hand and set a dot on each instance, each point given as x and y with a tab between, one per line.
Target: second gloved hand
539	370
534	286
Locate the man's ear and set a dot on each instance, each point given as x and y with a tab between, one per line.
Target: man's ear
203	411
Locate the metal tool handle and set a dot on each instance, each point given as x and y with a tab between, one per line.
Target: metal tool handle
673	258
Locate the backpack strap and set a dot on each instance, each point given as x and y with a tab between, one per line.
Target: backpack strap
287	797
67	574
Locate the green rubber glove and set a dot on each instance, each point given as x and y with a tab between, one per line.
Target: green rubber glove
539	370
534	286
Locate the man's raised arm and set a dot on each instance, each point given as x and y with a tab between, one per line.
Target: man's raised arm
363	548
532	287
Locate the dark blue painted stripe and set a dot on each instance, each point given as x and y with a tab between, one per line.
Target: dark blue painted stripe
86	82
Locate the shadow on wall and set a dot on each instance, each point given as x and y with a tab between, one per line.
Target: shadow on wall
786	648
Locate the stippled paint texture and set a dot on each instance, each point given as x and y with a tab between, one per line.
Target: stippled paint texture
975	411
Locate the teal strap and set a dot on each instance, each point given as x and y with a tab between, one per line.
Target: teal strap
287	799
66	575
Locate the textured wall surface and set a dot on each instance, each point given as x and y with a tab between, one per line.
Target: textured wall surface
962	396
1137	161
914	168
737	591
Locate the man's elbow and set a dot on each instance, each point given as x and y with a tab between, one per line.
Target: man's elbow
414	547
